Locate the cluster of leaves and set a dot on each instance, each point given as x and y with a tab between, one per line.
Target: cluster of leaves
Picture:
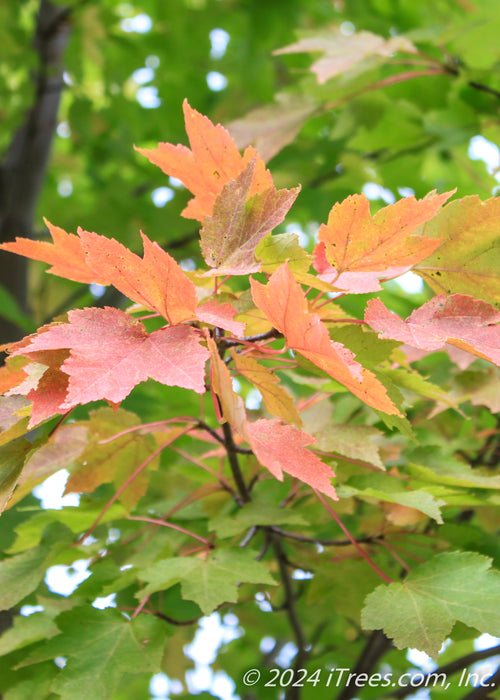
375	410
270	330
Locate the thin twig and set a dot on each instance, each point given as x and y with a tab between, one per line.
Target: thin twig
360	549
164	523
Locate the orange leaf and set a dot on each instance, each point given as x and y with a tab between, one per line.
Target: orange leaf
282	448
459	319
65	254
353	241
213	161
156	280
285	305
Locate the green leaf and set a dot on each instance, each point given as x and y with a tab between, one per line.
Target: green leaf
254	514
273	251
468	260
353	441
386	488
421	611
116	460
429	464
208	582
100	646
20	575
27	630
12	458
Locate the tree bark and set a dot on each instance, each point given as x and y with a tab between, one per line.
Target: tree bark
23	169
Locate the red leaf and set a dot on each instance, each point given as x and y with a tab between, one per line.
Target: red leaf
156	280
353	241
458	319
212	162
65	254
111	353
221	316
48	397
285	305
229	237
282	448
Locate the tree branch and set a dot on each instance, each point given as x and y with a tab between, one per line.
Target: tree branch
234	463
289	605
449	669
375	648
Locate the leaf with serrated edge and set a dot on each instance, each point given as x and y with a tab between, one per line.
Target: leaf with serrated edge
276	249
342	51
380	247
421	611
353	441
285	305
460	320
211	163
283	448
111	353
100	647
113	461
468	259
65	254
239	222
209	582
20	575
156	281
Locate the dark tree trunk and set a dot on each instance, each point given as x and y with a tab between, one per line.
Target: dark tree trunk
23	169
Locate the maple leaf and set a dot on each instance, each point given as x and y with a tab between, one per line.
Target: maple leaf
449	587
221	316
111	353
285	306
343	52
459	319
282	448
239	222
272	127
105	461
379	247
212	162
65	254
155	281
468	259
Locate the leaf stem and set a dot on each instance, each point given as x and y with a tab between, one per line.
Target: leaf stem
164	523
364	554
126	483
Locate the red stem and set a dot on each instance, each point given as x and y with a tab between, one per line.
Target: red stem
122	488
157	521
346	532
